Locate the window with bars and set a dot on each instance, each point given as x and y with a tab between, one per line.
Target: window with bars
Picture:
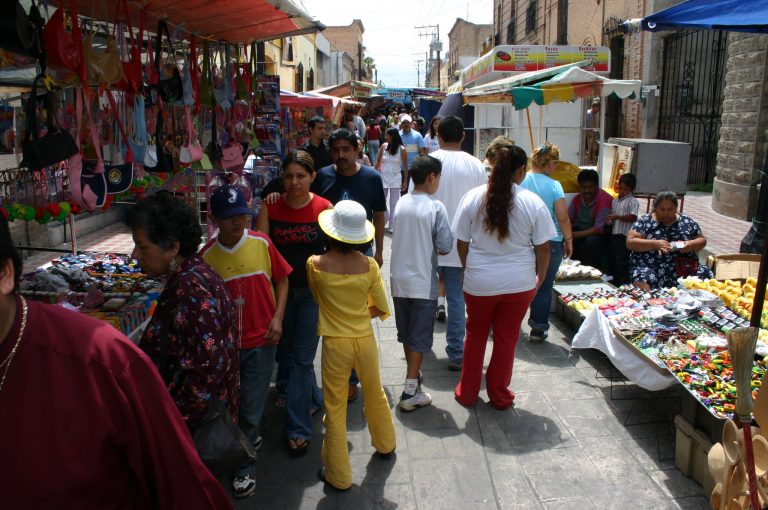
511	30
311	79
299	78
530	17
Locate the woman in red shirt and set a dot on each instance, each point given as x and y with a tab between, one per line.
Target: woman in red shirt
373	134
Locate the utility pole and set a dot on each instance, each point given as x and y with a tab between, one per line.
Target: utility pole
432	33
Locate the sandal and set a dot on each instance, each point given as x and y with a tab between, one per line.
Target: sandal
352	394
298	445
279	401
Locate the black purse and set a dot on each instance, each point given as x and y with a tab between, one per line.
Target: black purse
170	89
221	444
213	149
21	33
55	146
165	162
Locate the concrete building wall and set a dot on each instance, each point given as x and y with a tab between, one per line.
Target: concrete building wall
323	71
348	39
465	40
743	138
444	77
342	68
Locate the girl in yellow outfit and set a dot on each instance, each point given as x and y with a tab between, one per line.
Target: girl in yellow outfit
348	287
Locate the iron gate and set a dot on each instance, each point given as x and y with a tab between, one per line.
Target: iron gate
692	96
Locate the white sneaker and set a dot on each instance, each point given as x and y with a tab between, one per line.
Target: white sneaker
243	486
411	402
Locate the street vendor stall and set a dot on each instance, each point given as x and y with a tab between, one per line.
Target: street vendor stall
562	89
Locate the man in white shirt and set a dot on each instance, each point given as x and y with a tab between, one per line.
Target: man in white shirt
412	140
461	173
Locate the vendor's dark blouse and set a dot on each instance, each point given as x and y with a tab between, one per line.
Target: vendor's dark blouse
661	266
196	317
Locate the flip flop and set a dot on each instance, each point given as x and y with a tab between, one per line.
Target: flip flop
279	401
297	448
352	394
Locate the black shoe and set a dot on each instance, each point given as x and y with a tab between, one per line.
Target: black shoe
536	336
440	315
454	365
385	456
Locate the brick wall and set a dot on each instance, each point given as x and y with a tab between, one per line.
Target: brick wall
465	39
743	139
346	38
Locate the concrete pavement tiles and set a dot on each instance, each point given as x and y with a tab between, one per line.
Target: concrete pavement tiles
565	444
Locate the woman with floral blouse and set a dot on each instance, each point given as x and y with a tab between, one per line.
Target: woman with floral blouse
192	337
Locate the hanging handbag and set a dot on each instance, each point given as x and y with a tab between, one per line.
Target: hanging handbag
164	160
192	151
138	139
93	177
132	72
213	149
56	145
119	176
102	68
20	32
205	96
63	42
232	154
169	89
221	90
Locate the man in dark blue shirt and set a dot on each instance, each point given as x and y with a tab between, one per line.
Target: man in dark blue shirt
348	180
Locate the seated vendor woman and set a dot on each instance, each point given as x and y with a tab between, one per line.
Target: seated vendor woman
663	246
588	212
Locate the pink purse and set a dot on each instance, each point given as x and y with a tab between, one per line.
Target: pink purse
192	151
232	155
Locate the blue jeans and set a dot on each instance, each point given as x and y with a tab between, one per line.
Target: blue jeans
456	325
373	150
256	367
300	340
541	304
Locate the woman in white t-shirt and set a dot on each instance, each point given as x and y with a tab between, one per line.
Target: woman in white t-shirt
503	233
431	138
392	158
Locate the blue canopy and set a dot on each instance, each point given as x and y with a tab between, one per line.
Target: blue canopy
732	15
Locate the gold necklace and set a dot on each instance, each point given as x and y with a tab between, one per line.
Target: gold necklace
9	359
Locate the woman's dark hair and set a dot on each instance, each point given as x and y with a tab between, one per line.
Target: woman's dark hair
433	126
500	197
396	142
166	219
8	252
665	195
301	158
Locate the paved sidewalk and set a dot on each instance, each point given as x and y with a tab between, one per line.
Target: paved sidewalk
565	444
572	440
724	234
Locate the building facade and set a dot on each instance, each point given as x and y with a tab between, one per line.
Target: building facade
465	44
349	39
323	71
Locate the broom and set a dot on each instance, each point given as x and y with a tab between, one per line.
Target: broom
741	344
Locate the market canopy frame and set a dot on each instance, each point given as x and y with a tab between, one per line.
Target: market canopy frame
233	21
732	15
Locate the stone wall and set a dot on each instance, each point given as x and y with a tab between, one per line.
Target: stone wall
465	39
742	147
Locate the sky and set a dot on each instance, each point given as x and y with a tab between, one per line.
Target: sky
391	38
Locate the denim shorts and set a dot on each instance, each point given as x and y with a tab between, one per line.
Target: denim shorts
415	321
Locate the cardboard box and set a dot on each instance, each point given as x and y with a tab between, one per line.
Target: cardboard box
737	266
691	449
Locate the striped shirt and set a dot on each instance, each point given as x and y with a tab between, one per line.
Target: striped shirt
627	204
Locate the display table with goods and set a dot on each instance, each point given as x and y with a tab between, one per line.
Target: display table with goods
107	286
665	336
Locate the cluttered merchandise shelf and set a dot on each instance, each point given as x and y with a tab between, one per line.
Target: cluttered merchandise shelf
695	336
104	109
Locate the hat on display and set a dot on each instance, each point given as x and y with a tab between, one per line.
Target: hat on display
347	223
228	201
406	118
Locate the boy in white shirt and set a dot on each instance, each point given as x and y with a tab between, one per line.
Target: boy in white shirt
425	233
624	211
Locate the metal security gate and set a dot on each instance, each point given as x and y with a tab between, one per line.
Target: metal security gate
692	96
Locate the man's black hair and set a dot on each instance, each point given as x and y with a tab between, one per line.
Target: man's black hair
451	129
9	252
587	176
343	134
316	119
422	166
630	180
